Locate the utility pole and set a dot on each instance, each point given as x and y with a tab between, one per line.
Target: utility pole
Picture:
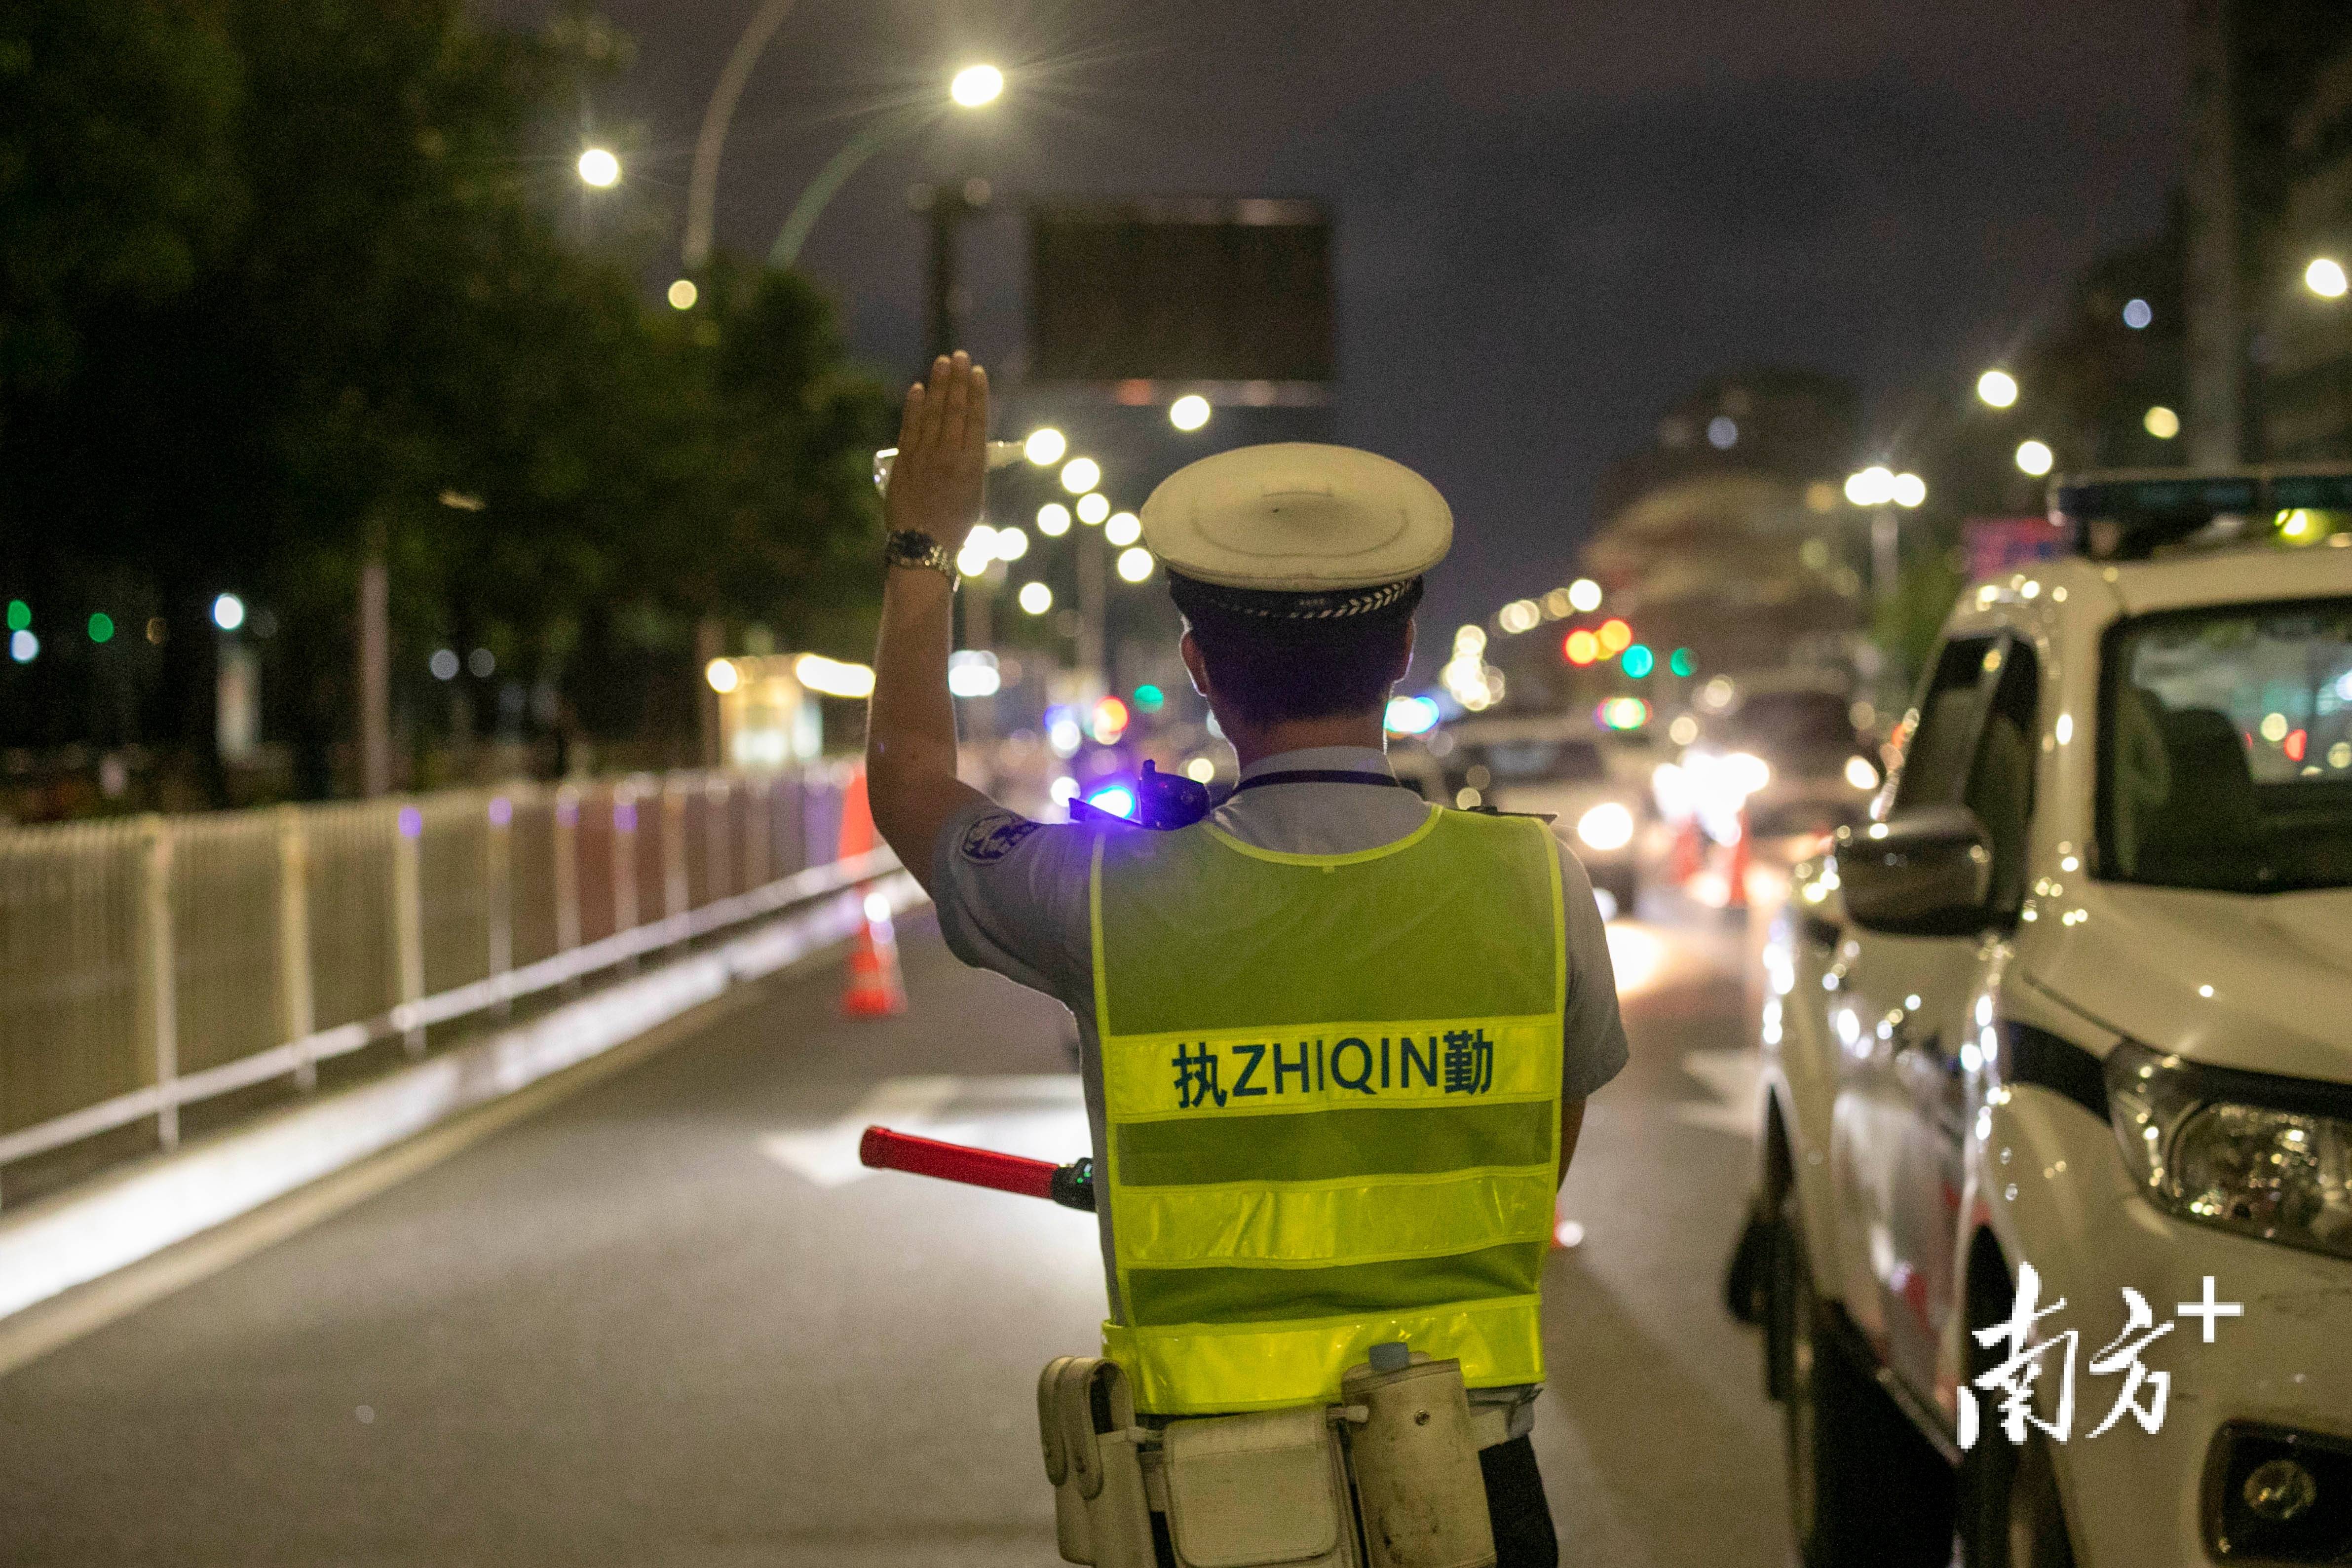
948	208
2216	332
375	663
1094	607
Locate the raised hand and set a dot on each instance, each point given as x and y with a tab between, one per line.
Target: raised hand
940	478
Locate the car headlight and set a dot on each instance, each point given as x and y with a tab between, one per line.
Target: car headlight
1747	773
1606	827
2268	1157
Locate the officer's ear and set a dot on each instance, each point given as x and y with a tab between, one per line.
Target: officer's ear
1194	665
1404	659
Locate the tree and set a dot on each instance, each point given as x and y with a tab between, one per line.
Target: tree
381	311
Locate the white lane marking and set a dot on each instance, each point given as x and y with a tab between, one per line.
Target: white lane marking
1731	1077
1042	1115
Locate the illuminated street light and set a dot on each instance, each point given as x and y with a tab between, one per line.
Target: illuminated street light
2035	458
1909	490
1997	388
722	674
2325	276
1874	486
832	676
1045	447
2162	423
1189	412
1134	565
228	612
1037	598
1093	507
976	86
1080	475
1012	544
1123	530
683	294
2138	314
599	168
1053	519
1584	596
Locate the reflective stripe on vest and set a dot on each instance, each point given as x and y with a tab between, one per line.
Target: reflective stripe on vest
1332	1092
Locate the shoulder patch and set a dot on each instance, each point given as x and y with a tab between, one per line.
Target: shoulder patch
996	836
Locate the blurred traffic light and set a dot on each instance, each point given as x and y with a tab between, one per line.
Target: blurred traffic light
1150	698
1109	723
1580	648
1638	660
1615	637
1681	662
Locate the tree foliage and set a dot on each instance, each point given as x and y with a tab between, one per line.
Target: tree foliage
280	275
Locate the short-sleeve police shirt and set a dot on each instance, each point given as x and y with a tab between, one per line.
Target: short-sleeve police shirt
1011	895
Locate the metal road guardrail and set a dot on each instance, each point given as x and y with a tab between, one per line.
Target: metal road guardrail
151	962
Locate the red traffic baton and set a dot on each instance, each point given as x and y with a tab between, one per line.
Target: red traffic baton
1071	1185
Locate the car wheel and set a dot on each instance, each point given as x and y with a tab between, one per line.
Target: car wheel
2010	1513
1865	1489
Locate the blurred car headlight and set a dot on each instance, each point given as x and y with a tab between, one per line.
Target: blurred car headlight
1606	827
2205	1146
1745	772
1859	774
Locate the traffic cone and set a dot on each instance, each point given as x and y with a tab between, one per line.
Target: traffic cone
876	988
1735	894
1689	854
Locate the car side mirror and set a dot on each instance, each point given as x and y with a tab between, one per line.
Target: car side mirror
1922	873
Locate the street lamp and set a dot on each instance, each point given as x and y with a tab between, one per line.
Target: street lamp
1997	388
683	294
1080	475
1045	447
599	168
975	87
1189	413
2035	458
2325	276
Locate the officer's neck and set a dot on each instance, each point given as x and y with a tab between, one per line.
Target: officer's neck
1253	742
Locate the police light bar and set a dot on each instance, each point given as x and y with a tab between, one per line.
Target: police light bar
2126	514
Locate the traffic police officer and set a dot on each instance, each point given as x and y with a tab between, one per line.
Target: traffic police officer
1336	1041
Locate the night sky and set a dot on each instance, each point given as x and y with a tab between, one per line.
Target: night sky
1554	218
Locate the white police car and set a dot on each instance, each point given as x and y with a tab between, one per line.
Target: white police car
2079	998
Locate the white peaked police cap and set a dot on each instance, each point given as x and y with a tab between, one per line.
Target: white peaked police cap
1298	517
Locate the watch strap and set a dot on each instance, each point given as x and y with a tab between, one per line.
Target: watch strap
908	548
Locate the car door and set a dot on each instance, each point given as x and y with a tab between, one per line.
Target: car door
1902	1011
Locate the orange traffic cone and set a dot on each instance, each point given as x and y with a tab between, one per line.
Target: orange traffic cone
1689	854
1735	893
876	988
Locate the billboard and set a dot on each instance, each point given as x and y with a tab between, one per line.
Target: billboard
1195	292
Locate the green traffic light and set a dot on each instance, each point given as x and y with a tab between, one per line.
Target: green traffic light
101	627
1150	697
20	614
1637	660
1681	662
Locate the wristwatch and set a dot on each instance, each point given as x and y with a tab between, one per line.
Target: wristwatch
907	548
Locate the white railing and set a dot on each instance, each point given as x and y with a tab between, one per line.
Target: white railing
151	962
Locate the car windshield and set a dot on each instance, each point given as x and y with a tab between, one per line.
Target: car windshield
2226	749
1542	761
1794	724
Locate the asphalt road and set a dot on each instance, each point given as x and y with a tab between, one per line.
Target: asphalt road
667	1322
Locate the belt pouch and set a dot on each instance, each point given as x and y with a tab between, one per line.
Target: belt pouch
1269	1488
1086	1418
1422	1497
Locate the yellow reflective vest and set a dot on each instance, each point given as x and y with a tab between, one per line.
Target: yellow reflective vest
1331	1085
